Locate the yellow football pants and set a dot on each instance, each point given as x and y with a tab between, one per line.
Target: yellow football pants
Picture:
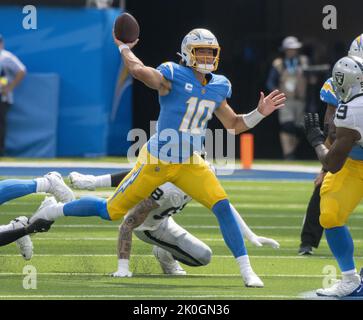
195	178
340	194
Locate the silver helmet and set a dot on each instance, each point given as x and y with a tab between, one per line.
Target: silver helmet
348	77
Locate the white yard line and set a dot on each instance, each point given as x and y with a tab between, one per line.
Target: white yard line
83	226
152	256
66	164
231	275
151	296
130	164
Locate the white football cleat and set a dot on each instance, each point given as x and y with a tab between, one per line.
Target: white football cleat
341	288
168	264
82	181
58	188
252	280
122	274
24	244
46	210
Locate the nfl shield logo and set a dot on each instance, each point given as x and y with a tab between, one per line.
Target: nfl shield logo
339	77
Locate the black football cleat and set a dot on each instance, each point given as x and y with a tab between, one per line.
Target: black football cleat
305	251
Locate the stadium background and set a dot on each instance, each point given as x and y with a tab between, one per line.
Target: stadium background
249	32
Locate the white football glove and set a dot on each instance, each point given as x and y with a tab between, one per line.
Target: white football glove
122	274
82	181
261	241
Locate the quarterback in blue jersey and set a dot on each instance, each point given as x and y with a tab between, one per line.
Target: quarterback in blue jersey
189	94
312	231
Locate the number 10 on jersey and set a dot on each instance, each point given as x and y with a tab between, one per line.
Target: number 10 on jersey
197	114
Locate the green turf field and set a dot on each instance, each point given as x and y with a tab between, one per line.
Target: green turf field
74	259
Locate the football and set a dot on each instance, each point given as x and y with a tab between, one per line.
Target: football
126	28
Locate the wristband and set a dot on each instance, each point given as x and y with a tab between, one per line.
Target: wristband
122	47
253	118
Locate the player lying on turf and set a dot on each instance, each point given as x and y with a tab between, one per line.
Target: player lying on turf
19	229
172	243
189	94
342	188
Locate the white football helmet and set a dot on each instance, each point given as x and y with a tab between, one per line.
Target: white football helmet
356	48
200	38
348	77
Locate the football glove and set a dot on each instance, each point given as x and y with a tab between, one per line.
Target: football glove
261	241
39	225
312	129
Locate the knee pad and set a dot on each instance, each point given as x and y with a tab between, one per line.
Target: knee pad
206	257
289	127
328	220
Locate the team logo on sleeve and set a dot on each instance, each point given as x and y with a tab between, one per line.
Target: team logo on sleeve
339	77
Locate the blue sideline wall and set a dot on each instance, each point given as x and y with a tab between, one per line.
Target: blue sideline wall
94	96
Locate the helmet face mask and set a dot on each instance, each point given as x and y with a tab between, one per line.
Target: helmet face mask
200	39
204	63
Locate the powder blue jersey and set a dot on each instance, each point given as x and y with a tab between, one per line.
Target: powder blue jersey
328	95
185	112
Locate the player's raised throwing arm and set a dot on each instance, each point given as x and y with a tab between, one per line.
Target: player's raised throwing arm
238	123
148	75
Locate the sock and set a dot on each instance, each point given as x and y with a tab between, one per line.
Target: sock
244	264
116	178
53	213
87	207
43	185
123	264
230	228
12	189
341	245
103	181
350	273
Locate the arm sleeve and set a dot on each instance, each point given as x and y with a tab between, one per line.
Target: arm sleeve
327	94
229	90
167	70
